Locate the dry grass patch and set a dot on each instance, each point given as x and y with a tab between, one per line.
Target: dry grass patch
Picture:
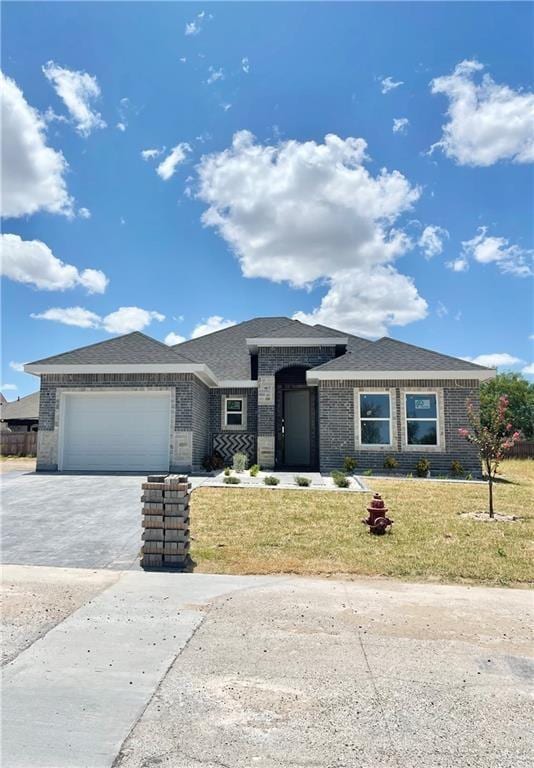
264	531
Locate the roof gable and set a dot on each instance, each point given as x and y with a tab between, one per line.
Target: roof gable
131	348
24	408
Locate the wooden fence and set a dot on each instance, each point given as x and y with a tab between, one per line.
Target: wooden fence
523	450
18	443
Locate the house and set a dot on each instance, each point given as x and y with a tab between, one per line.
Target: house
20	415
288	394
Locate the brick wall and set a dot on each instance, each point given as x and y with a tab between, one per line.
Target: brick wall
200	422
337	428
273	359
226	446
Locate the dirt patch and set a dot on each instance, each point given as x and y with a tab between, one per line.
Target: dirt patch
23	464
35	599
483	517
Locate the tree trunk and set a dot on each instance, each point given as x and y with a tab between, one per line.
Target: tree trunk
490	481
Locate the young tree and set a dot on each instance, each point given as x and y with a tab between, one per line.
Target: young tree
492	439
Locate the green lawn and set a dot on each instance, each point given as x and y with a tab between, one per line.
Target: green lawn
265	531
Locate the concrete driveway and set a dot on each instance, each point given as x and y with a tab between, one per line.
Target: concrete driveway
76	521
188	670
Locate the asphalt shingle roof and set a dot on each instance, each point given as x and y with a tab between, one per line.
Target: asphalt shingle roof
297	330
391	355
134	347
225	351
25	408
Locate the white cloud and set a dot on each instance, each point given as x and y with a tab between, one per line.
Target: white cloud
183	59
8	387
127	319
33	263
441	310
77	90
400	124
494	360
215	74
366	302
123	320
177	155
19	367
123	110
245	65
488	122
458	265
300	212
84	213
388	84
212	324
510	259
226	107
78	316
150	154
173	338
431	241
32	173
528	369
195	27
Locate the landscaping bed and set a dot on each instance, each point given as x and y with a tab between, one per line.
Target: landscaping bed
256	531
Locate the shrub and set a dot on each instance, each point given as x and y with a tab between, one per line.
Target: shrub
271	480
240	462
304	482
227	471
340	478
469	476
409	475
422	467
456	468
231	480
349	464
255	468
213	461
390	462
368	472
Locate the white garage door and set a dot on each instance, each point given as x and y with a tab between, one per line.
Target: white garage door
120	431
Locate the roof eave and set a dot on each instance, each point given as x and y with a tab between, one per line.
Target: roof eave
315	376
201	370
295	341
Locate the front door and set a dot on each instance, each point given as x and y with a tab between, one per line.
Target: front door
297	449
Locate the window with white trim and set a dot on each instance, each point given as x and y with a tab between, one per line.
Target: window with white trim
375	418
233	411
422	419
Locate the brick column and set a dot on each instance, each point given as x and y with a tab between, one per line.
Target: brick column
266	421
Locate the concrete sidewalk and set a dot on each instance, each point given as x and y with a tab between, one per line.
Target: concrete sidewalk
71	698
182	670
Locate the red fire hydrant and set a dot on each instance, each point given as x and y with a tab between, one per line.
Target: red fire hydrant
377	520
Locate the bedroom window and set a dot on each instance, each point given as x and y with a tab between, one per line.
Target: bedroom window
233	411
375	419
422	419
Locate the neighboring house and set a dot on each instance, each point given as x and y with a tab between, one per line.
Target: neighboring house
20	415
288	394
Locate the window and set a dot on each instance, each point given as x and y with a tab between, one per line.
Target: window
233	411
422	419
375	419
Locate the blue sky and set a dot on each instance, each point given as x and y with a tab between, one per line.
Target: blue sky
434	250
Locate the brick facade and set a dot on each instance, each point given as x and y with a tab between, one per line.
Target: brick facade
337	427
196	416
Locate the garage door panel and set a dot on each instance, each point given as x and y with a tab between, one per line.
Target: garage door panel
128	432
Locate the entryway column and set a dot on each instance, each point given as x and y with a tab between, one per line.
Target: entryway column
266	421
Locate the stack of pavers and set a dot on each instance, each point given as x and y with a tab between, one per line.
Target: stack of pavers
166	521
